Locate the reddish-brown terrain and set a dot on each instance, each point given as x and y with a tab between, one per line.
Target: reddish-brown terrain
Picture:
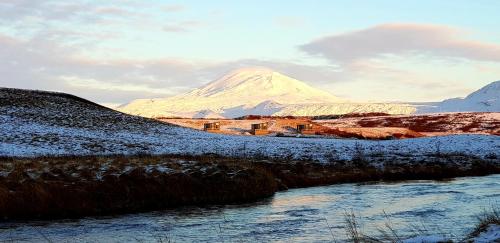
363	126
427	124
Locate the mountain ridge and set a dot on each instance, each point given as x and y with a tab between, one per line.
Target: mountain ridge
256	91
258	85
485	99
263	91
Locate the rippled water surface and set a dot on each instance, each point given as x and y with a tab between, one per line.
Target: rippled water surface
309	214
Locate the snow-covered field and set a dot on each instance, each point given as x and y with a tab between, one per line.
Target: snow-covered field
492	234
40	123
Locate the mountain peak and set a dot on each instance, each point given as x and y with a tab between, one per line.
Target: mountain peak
485	99
261	84
492	89
258	91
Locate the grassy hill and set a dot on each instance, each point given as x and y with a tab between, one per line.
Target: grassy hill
38	123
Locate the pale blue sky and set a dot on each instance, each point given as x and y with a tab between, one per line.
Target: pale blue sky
115	51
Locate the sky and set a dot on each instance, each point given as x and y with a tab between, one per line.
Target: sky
112	52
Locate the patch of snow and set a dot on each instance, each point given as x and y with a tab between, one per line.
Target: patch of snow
160	168
486	99
492	234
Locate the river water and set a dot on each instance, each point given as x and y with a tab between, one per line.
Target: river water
300	215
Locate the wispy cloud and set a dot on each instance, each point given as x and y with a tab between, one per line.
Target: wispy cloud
44	64
289	21
24	64
183	26
109	52
174	8
114	11
402	39
94	84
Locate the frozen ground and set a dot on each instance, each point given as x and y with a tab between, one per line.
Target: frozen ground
34	123
492	234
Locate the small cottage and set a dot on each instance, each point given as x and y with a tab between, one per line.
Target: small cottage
305	128
211	127
259	129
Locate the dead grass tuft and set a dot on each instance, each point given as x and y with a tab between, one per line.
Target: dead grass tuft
488	217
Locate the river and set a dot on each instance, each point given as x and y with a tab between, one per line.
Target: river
299	215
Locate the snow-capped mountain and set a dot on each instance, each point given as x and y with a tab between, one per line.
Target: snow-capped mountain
251	86
256	91
261	91
486	99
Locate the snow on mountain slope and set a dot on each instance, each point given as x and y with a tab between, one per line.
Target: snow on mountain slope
240	90
36	123
255	85
345	108
207	114
255	91
486	99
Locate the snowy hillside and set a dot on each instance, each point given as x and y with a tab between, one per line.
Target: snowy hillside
256	85
345	108
255	91
486	99
34	123
261	91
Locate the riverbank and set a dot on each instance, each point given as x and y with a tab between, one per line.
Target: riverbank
446	209
72	187
486	230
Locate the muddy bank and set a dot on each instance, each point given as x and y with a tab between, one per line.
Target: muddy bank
69	187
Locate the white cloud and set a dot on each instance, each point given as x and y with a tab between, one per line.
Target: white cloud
182	26
49	46
402	39
289	21
174	8
94	84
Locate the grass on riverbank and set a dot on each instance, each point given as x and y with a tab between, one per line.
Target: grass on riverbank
486	220
487	229
68	187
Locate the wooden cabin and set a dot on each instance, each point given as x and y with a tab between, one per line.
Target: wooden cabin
211	127
306	128
259	129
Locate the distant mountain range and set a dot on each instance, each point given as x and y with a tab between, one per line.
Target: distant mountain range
261	91
485	99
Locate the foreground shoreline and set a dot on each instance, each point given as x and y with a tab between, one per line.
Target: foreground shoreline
74	187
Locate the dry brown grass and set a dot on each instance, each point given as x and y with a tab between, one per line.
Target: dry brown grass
93	185
487	218
77	186
387	233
